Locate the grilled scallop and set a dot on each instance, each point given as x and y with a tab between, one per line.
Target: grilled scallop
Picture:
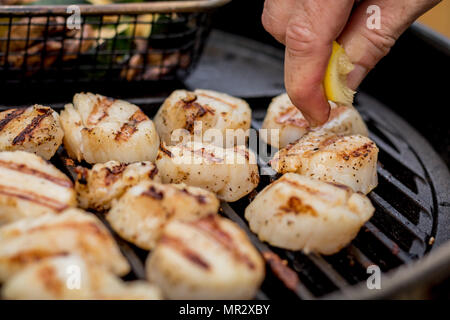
35	129
70	277
141	214
98	186
347	160
282	115
28	240
98	129
211	258
30	186
299	213
214	110
230	173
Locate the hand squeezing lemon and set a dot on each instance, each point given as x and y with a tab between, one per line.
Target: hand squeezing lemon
335	81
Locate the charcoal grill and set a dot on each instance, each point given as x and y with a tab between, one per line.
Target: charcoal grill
408	236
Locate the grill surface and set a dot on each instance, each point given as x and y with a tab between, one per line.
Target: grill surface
412	214
408	221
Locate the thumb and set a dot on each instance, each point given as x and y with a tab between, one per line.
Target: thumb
373	29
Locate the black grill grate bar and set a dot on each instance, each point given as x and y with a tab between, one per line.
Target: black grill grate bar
404	190
329	271
394	154
301	290
388	243
360	257
388	209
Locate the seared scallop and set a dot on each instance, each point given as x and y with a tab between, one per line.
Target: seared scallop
28	240
99	129
70	277
217	113
34	129
347	160
210	258
299	213
231	173
30	186
98	186
143	211
283	116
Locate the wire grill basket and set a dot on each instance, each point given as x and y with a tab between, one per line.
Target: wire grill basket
159	40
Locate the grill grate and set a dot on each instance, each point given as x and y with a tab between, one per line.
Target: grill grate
403	229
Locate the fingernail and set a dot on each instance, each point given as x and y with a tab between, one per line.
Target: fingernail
357	75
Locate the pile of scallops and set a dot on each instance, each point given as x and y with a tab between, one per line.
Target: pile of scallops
159	187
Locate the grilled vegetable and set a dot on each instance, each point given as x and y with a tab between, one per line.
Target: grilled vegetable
231	173
282	115
210	258
70	277
29	240
30	186
34	129
219	111
141	214
100	129
299	213
348	160
98	186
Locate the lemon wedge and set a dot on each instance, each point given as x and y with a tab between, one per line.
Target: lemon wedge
335	81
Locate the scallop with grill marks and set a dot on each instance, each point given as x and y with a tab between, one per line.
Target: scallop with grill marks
282	115
34	129
214	110
72	232
210	258
70	277
99	129
231	173
347	160
299	213
30	186
143	211
97	187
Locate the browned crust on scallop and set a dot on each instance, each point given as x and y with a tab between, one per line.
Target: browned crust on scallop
287	117
152	192
35	123
100	110
23	168
296	205
152	172
201	199
130	127
49	276
33	197
178	245
207	155
194	111
209	226
32	255
13	114
232	105
114	173
163	149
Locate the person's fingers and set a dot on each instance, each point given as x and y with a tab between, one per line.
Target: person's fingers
364	46
313	26
275	17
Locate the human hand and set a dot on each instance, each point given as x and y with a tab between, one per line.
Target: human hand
308	28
